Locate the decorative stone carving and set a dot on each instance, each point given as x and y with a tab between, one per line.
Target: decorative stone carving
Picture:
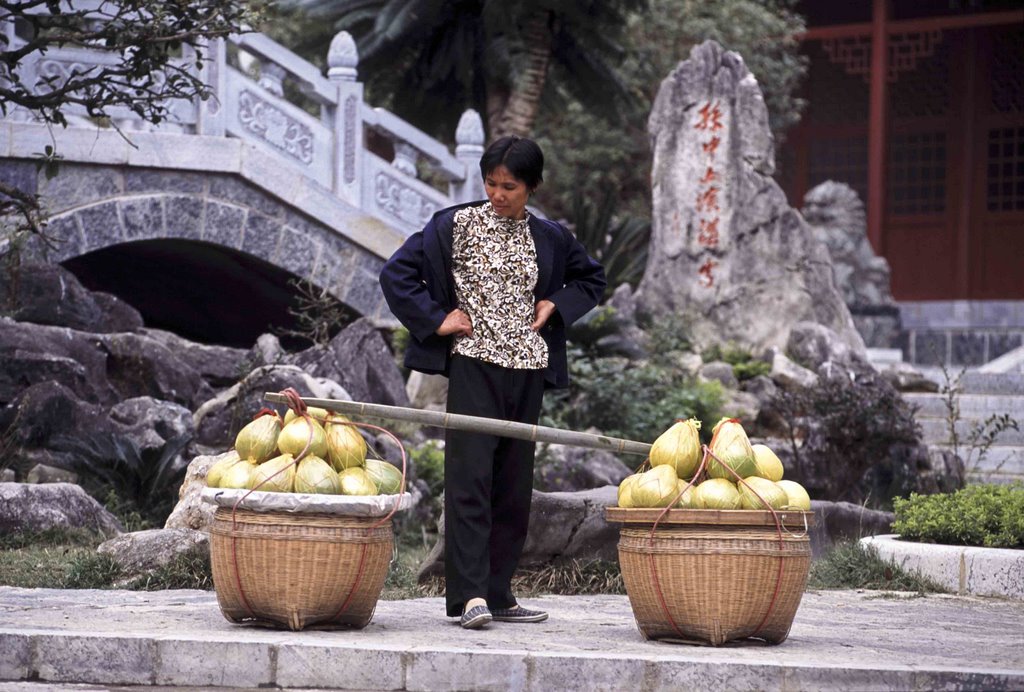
836	215
342	58
728	255
272	125
401	201
469	135
350	114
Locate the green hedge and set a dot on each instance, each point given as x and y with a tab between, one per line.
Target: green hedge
982	515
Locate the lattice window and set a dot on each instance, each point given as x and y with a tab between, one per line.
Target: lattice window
917	173
1008	72
922	87
1005	185
843	159
834	95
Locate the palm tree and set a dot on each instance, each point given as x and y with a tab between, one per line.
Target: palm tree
436	58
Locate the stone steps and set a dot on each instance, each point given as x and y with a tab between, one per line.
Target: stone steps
972	406
1002	462
935	431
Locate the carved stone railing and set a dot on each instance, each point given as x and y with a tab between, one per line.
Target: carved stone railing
266	95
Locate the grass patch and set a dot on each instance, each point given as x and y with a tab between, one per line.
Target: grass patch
571	578
855	566
190	570
51	559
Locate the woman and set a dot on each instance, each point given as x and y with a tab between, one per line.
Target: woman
486	290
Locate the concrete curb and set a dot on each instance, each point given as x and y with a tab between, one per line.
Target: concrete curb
961	569
840	641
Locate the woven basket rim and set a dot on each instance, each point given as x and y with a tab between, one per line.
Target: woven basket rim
713	517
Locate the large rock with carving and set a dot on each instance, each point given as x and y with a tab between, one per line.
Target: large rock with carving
728	255
836	215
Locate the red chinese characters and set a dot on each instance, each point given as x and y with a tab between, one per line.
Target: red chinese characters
708	201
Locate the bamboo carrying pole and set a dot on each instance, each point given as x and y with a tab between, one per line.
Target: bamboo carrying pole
490	426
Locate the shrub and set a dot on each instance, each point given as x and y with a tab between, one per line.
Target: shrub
983	515
847	426
631	400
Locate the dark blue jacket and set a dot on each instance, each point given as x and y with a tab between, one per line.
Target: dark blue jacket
420	290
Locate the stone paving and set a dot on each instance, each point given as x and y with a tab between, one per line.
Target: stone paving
856	640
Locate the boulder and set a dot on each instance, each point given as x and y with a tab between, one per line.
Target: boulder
50	294
26	507
788	374
191	512
360	360
718	371
218	420
728	256
904	377
563	526
563	468
266	351
839	522
7	476
43	473
428	392
143	552
99	368
219	366
812	345
741	405
150	423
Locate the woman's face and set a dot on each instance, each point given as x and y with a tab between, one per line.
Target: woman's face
508	194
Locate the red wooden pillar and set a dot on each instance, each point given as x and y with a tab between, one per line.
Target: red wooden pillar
877	123
966	169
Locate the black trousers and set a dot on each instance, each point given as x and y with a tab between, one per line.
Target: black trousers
488	482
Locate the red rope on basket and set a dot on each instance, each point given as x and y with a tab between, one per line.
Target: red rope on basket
296	404
654	569
650	543
778	529
401	491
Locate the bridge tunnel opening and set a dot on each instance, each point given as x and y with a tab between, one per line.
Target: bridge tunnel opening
208	293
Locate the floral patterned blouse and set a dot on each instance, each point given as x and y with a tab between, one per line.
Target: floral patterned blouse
495	266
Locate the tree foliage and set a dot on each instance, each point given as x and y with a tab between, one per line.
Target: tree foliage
436	58
141	66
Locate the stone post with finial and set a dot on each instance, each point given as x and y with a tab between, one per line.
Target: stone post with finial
342	59
469	147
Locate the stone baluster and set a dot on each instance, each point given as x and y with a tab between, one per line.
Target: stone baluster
406	157
272	78
210	114
469	147
342	59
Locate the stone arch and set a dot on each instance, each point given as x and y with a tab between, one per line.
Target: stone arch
96	207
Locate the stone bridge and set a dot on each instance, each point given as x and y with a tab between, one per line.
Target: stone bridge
204	223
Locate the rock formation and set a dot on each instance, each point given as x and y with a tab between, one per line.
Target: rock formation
727	254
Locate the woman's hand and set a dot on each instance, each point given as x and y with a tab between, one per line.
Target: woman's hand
456	322
541	313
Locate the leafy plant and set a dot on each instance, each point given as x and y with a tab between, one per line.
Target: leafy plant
632	400
981	436
144	481
90	570
856	566
744	365
572	578
619	243
987	515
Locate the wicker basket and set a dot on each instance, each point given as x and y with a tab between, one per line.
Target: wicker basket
297	571
713	576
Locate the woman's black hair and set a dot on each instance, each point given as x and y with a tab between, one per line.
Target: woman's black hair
522	157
